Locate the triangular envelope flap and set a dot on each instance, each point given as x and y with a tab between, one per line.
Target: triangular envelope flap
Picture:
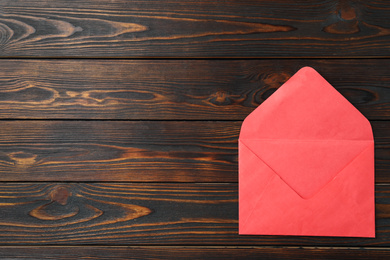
306	165
306	107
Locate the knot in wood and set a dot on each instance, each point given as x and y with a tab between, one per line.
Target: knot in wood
23	159
60	195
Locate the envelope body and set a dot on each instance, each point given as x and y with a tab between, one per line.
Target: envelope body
306	164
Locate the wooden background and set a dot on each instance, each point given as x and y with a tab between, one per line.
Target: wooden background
119	121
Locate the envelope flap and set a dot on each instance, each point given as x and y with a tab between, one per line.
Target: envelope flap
307	165
306	107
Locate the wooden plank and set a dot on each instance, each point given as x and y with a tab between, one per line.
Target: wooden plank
167	252
175	89
141	151
118	151
178	28
145	214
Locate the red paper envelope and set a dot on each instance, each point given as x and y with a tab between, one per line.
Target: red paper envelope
306	164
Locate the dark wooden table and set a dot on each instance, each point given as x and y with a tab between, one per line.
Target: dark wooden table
119	121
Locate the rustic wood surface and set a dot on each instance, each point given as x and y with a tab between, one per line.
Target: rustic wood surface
119	121
190	253
180	214
205	28
136	151
175	89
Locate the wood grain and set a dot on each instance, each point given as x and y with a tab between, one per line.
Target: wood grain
232	28
175	89
191	252
145	214
143	151
115	145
